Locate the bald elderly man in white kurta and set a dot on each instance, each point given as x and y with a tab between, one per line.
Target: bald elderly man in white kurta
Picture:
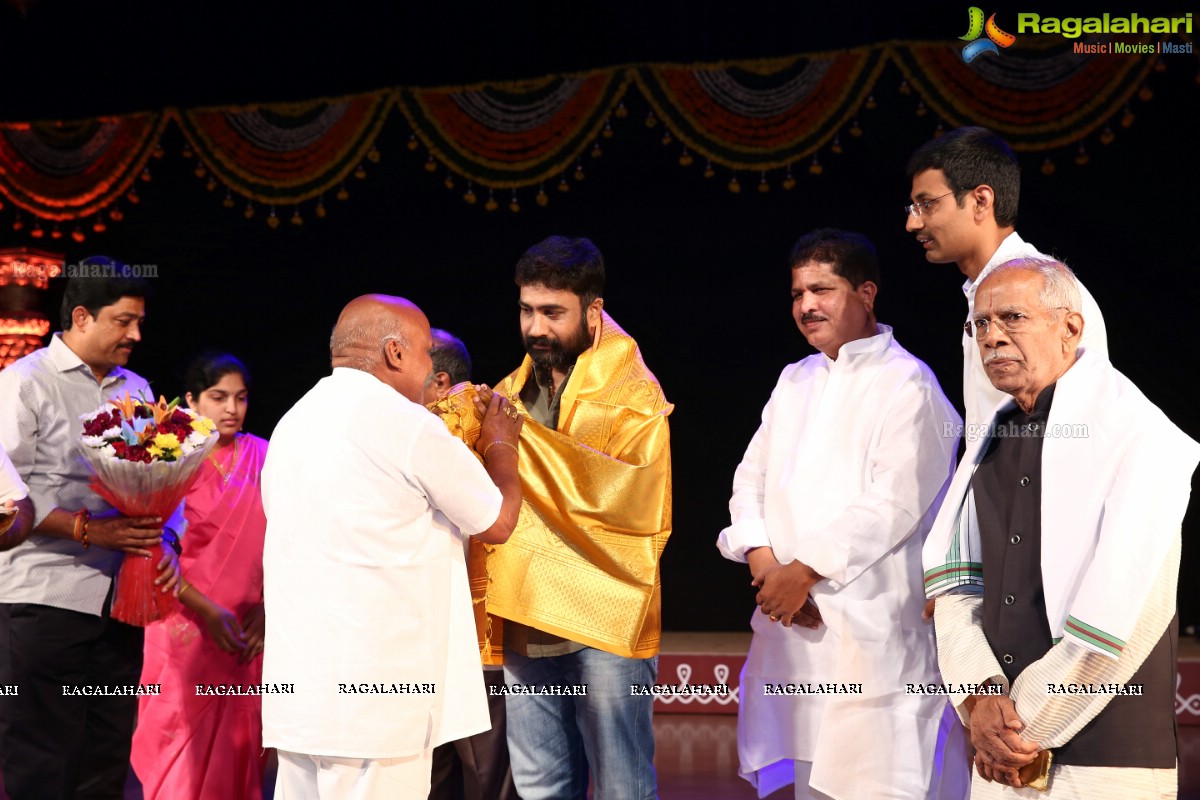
367	496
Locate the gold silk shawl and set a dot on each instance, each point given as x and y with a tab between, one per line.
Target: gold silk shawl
596	514
457	410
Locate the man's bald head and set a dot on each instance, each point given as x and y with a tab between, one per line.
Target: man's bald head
386	336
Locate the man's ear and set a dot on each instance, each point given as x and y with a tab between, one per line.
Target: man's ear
80	318
985	200
393	355
593	315
441	383
866	292
1073	321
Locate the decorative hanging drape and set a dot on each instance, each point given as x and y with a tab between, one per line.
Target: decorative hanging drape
507	135
747	115
69	170
286	153
761	115
1038	97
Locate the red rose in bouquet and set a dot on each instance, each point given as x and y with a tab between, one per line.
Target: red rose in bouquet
145	456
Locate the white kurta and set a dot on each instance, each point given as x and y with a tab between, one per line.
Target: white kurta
364	575
979	396
844	474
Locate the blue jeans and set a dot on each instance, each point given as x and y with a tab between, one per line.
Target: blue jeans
553	741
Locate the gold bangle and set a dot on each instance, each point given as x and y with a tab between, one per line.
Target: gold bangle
186	586
500	441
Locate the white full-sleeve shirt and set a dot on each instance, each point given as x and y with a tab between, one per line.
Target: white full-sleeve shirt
844	475
369	609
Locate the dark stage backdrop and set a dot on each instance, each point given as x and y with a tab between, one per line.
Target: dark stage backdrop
698	275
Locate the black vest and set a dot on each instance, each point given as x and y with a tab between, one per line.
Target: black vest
1132	730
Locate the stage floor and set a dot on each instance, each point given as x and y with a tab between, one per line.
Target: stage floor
696	753
696	758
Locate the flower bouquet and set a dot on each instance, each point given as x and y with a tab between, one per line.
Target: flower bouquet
144	456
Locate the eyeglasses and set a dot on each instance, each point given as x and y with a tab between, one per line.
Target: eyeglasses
1009	322
917	209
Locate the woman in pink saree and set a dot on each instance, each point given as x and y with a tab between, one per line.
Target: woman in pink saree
202	736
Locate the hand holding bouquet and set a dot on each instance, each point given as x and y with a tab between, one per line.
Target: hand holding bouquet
145	456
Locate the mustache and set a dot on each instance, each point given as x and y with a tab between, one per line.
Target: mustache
811	316
542	340
995	354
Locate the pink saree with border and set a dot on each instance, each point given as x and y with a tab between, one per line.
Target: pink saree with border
190	742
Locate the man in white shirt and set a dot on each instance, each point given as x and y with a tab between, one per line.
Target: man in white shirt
830	507
975	229
367	495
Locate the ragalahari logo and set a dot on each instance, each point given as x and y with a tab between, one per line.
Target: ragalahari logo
977	28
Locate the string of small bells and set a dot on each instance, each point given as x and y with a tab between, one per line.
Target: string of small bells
471	197
273	218
814	167
1081	157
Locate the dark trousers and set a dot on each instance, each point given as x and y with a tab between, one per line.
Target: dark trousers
53	744
476	768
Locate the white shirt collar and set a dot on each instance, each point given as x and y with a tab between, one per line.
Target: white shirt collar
1012	247
62	356
870	344
65	359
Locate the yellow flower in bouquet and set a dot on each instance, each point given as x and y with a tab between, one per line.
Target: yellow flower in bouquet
164	444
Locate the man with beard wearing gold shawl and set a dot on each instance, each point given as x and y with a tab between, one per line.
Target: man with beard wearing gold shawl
577	585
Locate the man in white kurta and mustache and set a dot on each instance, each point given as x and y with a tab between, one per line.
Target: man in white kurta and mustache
831	504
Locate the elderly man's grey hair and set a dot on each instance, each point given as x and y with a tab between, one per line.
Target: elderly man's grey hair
1060	289
352	338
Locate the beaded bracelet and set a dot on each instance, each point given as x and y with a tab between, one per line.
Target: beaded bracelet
80	530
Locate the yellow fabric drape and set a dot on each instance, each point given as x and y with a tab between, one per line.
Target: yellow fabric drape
457	411
583	560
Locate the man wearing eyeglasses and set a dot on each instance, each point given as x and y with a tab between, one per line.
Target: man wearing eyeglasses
1055	557
965	187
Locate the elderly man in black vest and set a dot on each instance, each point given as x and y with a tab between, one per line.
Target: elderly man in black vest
1055	559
